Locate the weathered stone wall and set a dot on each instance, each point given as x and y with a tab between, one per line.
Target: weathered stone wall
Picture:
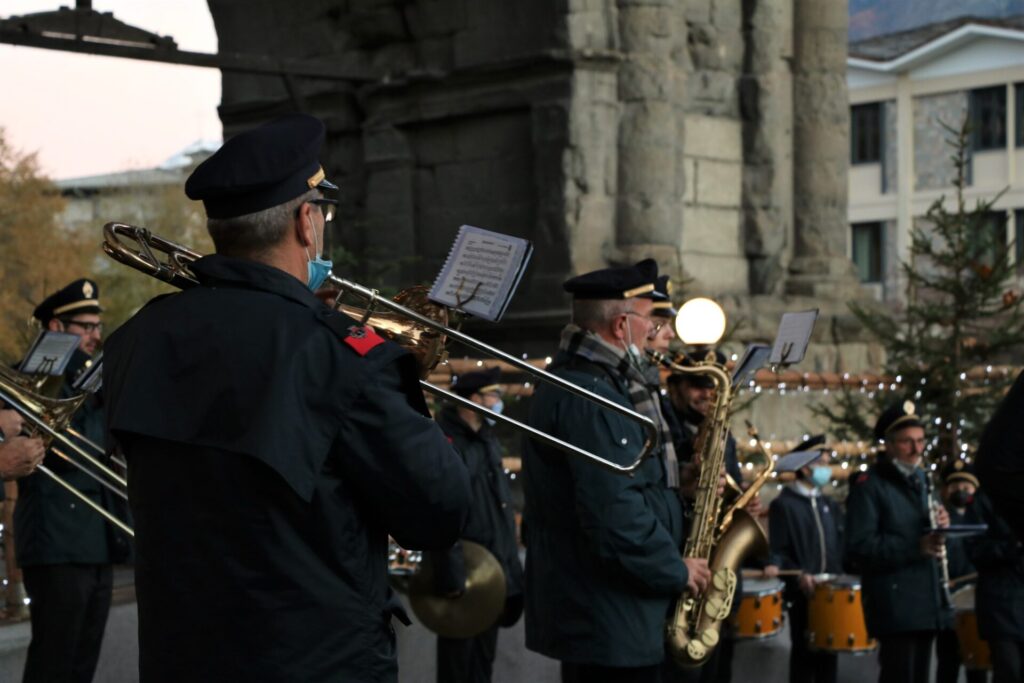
892	277
705	133
932	169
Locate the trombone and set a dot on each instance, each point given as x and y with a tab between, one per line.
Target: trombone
49	418
139	248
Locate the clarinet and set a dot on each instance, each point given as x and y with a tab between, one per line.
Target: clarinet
943	558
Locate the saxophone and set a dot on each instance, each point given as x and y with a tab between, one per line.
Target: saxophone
724	539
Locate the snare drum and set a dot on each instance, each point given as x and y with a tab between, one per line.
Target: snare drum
760	612
835	617
974	651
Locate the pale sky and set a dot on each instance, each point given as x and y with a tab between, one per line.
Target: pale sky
86	115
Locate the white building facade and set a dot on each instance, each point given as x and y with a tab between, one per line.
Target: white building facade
902	88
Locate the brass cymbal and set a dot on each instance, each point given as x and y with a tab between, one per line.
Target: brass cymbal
474	611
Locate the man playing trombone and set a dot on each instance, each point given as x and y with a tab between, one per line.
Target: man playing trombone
65	549
19	455
273	443
603	563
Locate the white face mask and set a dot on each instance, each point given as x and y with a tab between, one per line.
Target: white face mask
632	352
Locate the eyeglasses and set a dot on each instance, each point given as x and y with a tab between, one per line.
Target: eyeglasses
909	441
326	207
640	315
89	327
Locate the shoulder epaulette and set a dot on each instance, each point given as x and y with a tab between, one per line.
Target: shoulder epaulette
362	339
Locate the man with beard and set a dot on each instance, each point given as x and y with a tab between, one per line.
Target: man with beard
65	549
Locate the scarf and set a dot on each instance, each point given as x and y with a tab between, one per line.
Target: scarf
579	342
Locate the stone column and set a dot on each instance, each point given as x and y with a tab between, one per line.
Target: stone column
766	104
821	145
650	161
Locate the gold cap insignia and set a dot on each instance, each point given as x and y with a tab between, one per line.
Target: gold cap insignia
87	290
316	178
958	465
908	407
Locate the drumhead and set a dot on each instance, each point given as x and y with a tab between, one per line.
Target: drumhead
838	580
963	599
758	587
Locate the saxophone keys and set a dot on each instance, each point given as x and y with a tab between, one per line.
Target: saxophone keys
696	650
709	637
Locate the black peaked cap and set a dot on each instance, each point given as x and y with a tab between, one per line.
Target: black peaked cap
897	416
260	168
81	296
473	382
624	282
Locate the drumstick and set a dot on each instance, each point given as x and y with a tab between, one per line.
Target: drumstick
759	573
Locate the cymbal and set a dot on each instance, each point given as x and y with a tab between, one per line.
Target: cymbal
471	613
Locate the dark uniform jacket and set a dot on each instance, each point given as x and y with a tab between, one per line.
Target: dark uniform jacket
956	548
1000	460
273	445
491	522
885	519
603	563
805	531
999	557
52	525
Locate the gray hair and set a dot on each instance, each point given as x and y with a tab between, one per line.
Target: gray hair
255	233
592	314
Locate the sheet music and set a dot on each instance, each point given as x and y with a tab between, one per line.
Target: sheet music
793	337
753	360
49	353
481	272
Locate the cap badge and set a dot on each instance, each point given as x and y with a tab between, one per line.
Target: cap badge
87	290
908	407
316	178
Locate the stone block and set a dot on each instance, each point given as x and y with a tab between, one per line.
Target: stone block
589	29
645	78
653	220
690	179
719	183
713	93
591	228
727	14
711	231
714	137
435	17
714	275
386	145
698	12
649	30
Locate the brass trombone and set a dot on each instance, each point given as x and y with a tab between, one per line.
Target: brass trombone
49	418
141	252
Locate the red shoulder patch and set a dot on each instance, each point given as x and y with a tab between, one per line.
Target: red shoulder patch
862	477
363	339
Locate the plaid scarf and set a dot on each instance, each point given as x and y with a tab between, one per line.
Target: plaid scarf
579	342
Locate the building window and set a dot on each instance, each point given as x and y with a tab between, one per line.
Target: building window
1018	95
867	251
990	239
988	118
866	133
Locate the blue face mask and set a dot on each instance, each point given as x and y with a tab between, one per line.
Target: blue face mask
317	269
498	407
821	475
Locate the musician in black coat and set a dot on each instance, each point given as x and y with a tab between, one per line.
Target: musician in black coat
999	596
273	443
1000	460
67	550
805	532
888	543
491	523
959	486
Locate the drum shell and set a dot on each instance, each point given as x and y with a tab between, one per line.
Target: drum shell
974	652
835	616
760	611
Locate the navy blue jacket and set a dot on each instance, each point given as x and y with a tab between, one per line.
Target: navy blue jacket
999	557
273	445
491	521
886	516
805	533
603	564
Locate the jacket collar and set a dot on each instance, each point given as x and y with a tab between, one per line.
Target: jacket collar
217	269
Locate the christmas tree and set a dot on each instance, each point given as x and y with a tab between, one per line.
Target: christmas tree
961	319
